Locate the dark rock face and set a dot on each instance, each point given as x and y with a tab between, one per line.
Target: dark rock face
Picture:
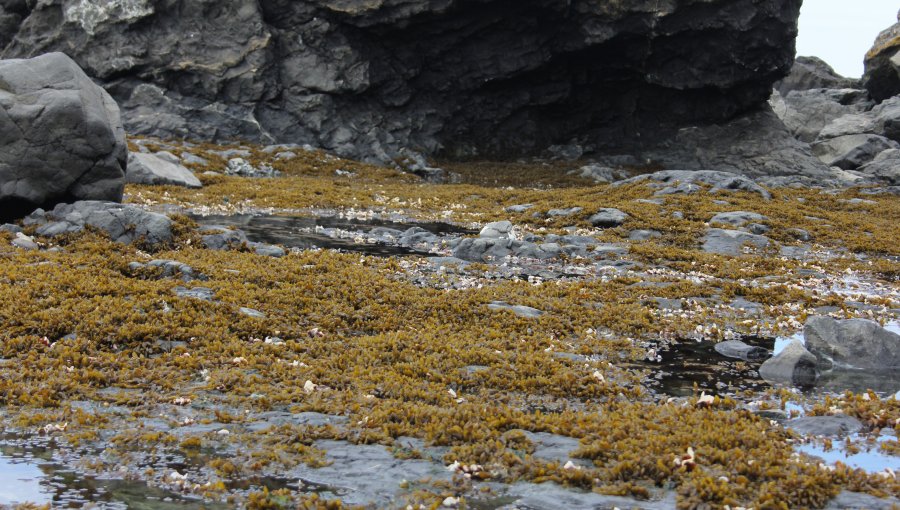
882	72
813	73
61	138
459	77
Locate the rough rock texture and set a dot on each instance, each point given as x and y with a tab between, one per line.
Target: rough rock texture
852	151
813	73
61	138
732	242
460	77
805	113
683	181
854	343
123	223
882	65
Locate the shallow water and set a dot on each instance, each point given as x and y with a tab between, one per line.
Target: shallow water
872	461
30	473
305	232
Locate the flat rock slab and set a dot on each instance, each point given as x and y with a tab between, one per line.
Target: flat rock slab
520	310
832	426
152	169
732	242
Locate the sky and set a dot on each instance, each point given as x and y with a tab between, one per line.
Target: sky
840	32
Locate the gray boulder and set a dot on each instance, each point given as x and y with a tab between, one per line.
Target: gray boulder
217	237
718	181
853	343
740	350
608	217
794	365
852	151
882	64
152	169
123	223
732	242
812	73
61	138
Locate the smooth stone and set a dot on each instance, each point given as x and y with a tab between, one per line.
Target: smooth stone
250	312
520	310
840	425
154	170
608	217
497	230
852	343
732	242
793	365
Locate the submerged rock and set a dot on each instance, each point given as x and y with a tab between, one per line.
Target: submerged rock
740	350
794	365
61	138
852	343
833	426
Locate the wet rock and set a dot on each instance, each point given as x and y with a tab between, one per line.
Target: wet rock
570	211
520	310
367	474
794	365
61	138
847	500
737	218
830	426
520	208
852	151
643	235
732	242
152	169
240	167
497	230
853	343
250	312
553	447
718	181
267	250
740	350
201	293
882	64
123	223
222	238
812	73
608	218
599	173
550	496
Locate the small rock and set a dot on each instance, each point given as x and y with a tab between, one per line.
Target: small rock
522	311
554	213
250	312
740	350
202	293
497	230
608	218
737	218
833	426
519	208
732	242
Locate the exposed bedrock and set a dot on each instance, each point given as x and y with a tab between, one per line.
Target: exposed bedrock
458	77
882	74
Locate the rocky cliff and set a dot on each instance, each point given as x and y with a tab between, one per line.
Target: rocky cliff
458	77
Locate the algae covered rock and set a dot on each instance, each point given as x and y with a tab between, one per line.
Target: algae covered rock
61	138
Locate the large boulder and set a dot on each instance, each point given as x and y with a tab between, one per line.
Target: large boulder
807	112
882	65
61	138
853	343
813	73
151	169
794	366
459	77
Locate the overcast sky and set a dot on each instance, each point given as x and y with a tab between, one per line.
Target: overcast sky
840	32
